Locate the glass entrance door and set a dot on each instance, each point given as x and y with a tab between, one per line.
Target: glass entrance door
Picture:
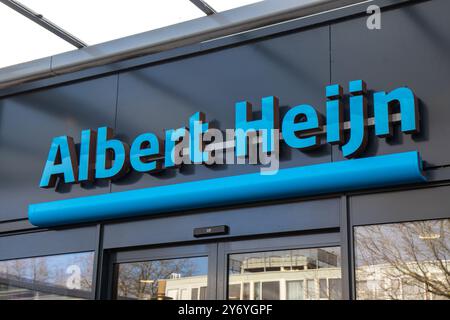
305	267
282	268
171	273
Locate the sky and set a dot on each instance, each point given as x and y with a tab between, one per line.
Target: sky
92	21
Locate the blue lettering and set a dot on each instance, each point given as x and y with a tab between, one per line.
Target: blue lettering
86	171
335	114
112	158
358	120
245	125
292	126
408	109
61	162
144	150
197	128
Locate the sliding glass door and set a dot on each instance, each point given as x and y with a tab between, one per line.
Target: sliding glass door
303	267
171	273
306	267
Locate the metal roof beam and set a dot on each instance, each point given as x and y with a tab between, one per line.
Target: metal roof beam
43	22
225	23
204	6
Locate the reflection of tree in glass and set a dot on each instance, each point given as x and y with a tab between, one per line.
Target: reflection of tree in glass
43	277
86	264
141	279
54	269
40	269
411	259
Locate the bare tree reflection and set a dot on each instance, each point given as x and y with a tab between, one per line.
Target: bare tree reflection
146	280
46	277
86	264
404	260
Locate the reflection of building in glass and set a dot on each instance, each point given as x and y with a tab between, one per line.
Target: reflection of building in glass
286	285
284	261
286	275
275	285
189	288
289	274
403	260
385	281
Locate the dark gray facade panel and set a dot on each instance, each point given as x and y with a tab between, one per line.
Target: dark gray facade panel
294	67
398	206
411	49
289	242
14	225
47	243
29	122
162	253
244	221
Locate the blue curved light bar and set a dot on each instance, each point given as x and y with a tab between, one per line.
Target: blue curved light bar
373	172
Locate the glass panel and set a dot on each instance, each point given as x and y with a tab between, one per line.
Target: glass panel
91	21
323	290
270	290
257	291
246	291
268	272
334	287
194	294
311	289
95	21
23	40
403	260
234	292
163	279
222	5
294	290
65	276
202	293
184	294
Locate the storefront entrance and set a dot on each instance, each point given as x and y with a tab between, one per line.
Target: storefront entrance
294	267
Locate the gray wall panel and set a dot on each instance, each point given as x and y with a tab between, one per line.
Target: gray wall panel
386	207
294	67
412	48
288	217
48	243
29	122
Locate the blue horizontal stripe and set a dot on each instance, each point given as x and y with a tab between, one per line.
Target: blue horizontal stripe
373	172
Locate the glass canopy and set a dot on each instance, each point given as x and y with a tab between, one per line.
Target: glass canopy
23	40
92	21
222	5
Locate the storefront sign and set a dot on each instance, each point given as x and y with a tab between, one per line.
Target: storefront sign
102	156
340	176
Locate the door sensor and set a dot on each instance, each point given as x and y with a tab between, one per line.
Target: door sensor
211	231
